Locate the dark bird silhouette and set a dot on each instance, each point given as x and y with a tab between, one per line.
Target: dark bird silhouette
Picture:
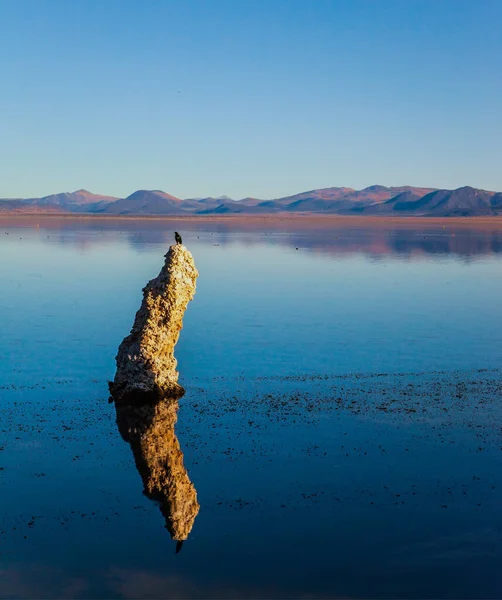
177	237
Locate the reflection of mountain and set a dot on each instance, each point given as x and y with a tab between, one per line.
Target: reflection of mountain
328	235
408	243
149	429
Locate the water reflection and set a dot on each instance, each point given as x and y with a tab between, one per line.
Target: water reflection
338	237
149	430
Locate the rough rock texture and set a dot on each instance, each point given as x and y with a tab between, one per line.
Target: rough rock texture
145	361
149	429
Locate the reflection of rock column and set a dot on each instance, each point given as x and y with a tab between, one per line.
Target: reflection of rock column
145	360
149	429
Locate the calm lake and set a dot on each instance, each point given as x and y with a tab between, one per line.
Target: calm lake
342	424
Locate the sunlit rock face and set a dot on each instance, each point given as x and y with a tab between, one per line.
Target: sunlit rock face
145	359
149	429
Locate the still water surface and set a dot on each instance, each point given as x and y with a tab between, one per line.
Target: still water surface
341	425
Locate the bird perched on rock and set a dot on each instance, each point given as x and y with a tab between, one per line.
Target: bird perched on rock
177	237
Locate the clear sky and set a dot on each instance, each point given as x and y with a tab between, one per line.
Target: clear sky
248	97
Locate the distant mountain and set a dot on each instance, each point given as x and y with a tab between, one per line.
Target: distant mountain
377	194
338	200
146	202
72	199
373	200
79	201
220	198
465	201
383	208
314	198
237	208
462	202
203	204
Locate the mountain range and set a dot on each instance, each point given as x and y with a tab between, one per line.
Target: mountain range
374	200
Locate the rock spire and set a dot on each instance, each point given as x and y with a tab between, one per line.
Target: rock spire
146	367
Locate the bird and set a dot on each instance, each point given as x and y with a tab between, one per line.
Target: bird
177	237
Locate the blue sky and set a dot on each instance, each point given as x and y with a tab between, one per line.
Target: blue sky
262	97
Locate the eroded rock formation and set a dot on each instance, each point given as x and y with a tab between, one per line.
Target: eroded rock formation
149	429
145	361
